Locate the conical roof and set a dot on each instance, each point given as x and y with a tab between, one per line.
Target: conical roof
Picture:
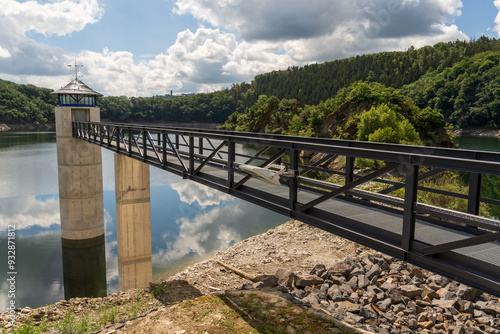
76	87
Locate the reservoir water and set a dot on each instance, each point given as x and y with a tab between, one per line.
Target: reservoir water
189	222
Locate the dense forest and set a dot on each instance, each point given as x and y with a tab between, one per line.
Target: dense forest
25	103
457	79
362	111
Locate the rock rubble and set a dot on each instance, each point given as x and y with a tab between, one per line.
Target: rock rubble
381	294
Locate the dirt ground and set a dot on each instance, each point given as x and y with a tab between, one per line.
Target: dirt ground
202	297
207	307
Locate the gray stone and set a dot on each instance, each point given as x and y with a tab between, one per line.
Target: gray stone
384	304
395	295
416	272
353	282
346	289
374	271
363	281
324	288
298	293
444	303
492	308
367	312
283	275
465	292
312	299
334	293
268	280
410	291
428	292
356	272
438	280
356	319
387	285
340	269
338	280
303	280
318	270
348	306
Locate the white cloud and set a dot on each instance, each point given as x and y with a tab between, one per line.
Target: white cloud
58	17
4	53
248	38
21	55
497	18
320	30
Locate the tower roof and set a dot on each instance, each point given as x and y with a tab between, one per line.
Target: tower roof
76	87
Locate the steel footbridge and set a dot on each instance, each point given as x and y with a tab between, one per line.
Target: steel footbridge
377	207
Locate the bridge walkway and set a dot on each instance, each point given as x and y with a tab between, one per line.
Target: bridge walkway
460	245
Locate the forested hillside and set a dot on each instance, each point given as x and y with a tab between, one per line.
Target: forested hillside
458	79
362	111
25	103
467	94
314	83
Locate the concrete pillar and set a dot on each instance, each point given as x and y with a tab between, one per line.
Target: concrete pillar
80	177
133	222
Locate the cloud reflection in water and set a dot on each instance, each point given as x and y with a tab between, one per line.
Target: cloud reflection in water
213	221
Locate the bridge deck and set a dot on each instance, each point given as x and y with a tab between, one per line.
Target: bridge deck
461	246
388	224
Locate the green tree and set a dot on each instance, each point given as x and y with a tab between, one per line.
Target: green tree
382	124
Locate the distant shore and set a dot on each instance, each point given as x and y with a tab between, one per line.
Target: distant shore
52	126
27	127
483	132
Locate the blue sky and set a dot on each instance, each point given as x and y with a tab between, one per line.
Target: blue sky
149	47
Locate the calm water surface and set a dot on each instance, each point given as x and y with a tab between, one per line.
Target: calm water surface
189	221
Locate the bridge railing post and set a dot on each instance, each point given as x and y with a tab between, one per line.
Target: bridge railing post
191	154
411	187
144	145
118	131
474	193
200	145
164	147
231	153
349	170
293	185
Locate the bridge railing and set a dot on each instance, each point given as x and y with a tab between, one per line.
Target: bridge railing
328	169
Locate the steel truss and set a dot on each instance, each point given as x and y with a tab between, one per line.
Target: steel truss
460	245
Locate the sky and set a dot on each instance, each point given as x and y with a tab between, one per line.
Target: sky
152	47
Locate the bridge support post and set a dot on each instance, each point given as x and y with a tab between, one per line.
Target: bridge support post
80	177
411	188
133	222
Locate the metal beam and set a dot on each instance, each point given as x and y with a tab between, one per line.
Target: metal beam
349	186
461	243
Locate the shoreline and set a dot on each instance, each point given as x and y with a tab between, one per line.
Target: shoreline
52	126
27	127
206	294
477	132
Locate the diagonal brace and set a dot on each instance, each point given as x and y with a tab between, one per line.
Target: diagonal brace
317	163
258	154
265	164
348	186
172	146
421	177
461	243
210	157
